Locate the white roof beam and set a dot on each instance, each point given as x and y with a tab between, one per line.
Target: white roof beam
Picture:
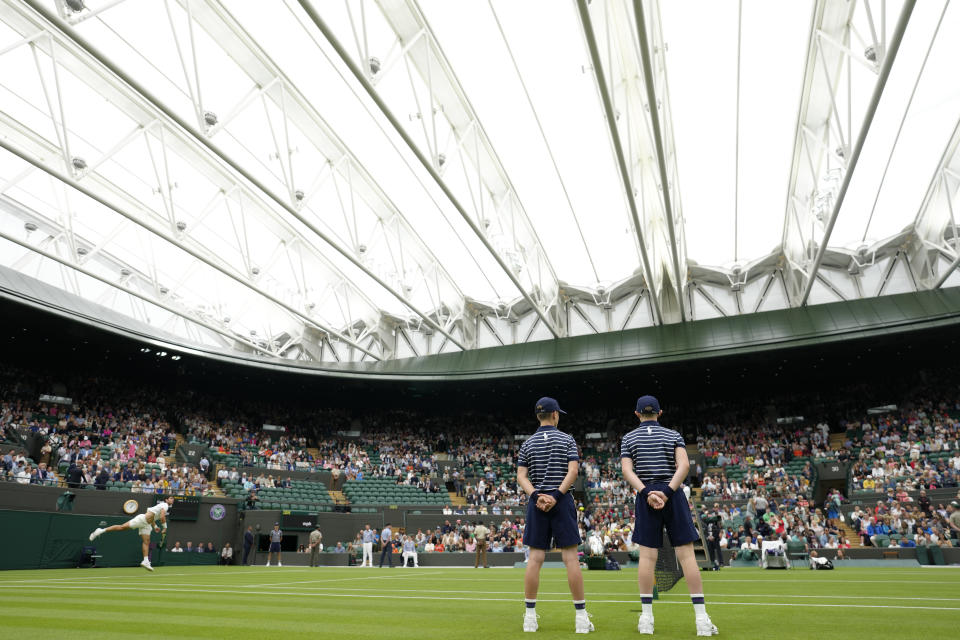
888	59
150	103
214	17
935	227
826	145
654	78
630	190
406	19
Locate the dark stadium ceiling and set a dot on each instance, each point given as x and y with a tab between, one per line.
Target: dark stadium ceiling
378	179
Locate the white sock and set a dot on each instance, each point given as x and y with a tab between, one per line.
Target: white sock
699	608
646	604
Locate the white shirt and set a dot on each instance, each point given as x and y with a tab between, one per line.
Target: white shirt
157	509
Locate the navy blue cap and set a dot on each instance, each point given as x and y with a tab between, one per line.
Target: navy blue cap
648	404
548	405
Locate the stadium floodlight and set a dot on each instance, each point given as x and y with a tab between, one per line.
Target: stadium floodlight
30	226
125	272
79	164
82	251
75	6
374	65
870	54
210	118
164	291
255	271
162	354
144	350
887	408
174	357
299	195
181	226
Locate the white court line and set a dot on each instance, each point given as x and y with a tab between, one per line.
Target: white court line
140	573
321	580
334	594
631	579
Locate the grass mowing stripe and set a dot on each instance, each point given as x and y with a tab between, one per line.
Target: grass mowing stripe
518	592
438	604
384	596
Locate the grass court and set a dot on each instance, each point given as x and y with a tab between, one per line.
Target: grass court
454	603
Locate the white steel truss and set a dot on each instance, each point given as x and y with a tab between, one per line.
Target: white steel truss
829	136
448	139
214	197
627	52
935	245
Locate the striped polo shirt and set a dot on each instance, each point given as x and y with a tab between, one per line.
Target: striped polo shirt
653	451
546	455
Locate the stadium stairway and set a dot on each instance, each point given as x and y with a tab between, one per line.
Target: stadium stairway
457	501
338	497
850	534
217	491
173	454
836	441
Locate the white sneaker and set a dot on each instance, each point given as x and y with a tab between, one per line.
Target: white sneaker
645	625
530	622
279	564
268	564
146	565
705	627
583	622
96	534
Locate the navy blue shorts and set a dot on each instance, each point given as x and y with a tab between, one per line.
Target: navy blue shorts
558	525
675	516
274	547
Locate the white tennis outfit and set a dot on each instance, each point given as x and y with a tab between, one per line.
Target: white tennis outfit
140	523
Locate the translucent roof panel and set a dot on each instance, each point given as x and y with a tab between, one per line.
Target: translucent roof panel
564	98
728	216
450	165
879	206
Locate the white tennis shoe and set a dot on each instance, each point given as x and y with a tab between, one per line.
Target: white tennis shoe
146	565
645	625
583	622
530	621
96	534
705	627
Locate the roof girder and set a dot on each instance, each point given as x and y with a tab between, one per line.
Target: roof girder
653	282
214	17
825	153
198	140
412	30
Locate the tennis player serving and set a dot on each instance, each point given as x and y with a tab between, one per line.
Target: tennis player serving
654	461
154	519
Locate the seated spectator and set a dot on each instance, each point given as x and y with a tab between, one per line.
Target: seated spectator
226	554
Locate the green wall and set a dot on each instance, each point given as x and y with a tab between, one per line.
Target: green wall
45	540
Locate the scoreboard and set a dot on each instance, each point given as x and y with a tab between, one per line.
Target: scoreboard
185	508
302	523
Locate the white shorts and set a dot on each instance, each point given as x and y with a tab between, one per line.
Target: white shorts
140	523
